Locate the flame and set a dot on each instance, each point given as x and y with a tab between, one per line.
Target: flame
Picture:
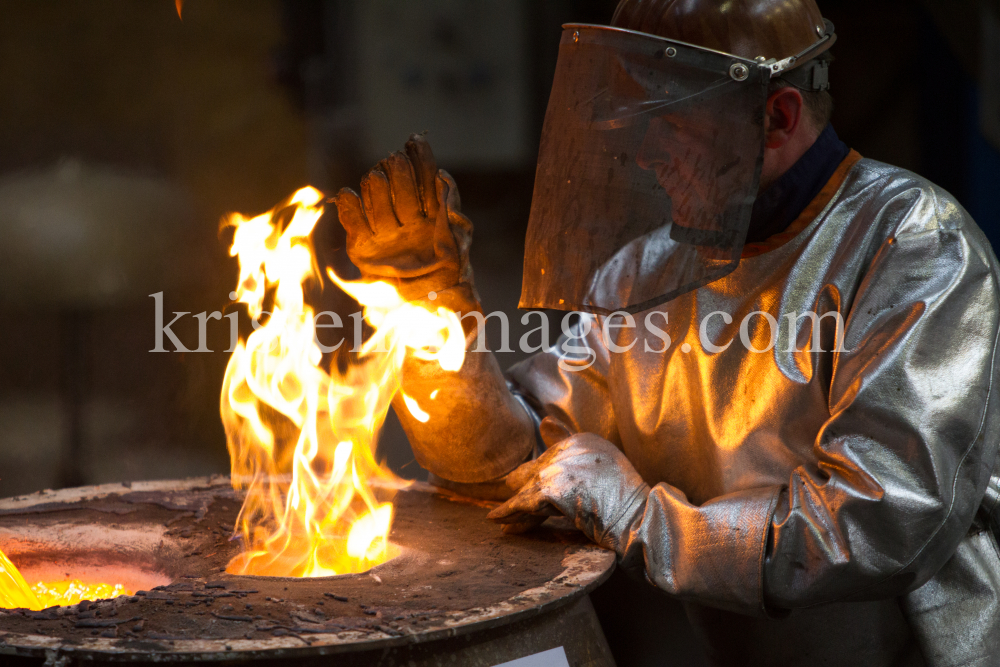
14	590
302	439
180	5
15	593
415	409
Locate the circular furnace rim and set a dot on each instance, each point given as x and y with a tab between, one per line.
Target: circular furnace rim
584	569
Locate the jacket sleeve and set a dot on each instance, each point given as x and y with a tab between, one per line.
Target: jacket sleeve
480	426
473	430
902	462
569	382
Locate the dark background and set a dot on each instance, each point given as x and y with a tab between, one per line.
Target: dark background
127	133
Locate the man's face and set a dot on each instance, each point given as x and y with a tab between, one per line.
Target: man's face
691	162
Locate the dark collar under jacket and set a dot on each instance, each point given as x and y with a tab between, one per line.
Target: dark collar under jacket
778	206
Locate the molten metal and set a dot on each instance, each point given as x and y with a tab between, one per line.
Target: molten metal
15	593
302	439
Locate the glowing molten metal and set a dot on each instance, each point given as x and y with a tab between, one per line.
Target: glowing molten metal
302	439
16	593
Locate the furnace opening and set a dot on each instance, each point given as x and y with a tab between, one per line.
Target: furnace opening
70	579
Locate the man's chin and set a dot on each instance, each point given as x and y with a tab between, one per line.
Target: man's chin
682	193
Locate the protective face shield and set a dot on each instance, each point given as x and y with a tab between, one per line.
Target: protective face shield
649	165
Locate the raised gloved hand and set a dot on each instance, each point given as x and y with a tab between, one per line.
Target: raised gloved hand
407	228
583	477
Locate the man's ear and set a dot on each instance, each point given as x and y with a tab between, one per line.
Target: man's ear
785	107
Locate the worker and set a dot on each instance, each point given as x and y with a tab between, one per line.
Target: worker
777	401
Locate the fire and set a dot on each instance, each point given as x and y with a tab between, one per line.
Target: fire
15	593
302	439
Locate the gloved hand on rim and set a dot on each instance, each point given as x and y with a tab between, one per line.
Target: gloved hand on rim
581	476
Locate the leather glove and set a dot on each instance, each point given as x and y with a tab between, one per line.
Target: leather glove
583	477
407	228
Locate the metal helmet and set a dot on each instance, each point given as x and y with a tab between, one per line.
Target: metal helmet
759	30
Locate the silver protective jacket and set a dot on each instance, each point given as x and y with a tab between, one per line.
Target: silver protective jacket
827	500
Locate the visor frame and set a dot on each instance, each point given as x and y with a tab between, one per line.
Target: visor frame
704	57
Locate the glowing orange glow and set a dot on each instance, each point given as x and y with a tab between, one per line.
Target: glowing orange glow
180	5
15	593
302	439
55	593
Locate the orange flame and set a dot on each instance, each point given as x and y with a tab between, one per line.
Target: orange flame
302	441
180	5
15	593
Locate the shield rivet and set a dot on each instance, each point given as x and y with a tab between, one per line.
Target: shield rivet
576	35
739	72
671	52
819	31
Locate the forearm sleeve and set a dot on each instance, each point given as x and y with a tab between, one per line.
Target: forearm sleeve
570	381
470	428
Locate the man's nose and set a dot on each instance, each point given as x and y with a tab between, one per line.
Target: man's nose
650	151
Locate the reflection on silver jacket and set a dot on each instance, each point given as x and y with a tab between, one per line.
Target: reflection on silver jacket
839	497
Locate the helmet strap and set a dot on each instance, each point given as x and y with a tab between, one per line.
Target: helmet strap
814	76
